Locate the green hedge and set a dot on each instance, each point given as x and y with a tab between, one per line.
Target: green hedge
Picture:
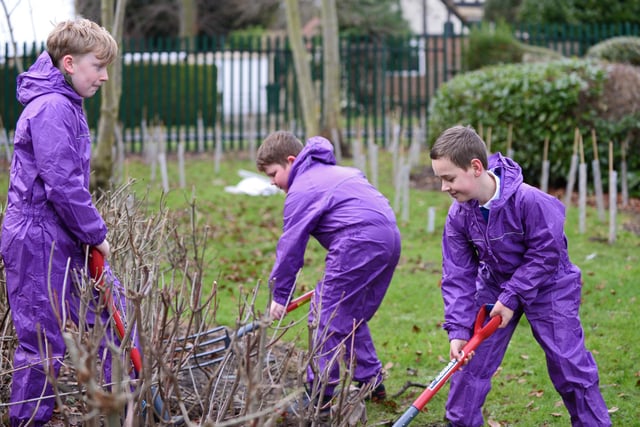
491	45
539	100
495	45
617	49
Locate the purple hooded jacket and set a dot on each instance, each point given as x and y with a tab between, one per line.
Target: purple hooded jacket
49	218
521	250
330	203
50	168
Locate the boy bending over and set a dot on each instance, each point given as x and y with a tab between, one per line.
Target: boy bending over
356	225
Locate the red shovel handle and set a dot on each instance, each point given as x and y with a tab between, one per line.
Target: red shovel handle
96	266
302	299
96	269
295	303
480	333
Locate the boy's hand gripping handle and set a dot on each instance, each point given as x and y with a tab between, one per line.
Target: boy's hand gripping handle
295	303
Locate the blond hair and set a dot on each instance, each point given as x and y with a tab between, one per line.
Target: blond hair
460	144
275	149
79	37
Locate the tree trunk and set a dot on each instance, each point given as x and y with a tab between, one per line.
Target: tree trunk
310	105
102	162
331	95
188	18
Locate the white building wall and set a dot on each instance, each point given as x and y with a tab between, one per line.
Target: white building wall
243	82
433	13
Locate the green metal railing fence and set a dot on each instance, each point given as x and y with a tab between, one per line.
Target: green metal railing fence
573	40
240	89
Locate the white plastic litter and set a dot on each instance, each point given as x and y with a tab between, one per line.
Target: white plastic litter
252	184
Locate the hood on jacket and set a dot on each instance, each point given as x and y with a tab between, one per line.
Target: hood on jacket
317	149
510	175
43	78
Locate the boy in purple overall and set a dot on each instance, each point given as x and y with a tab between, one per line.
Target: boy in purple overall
50	218
356	225
504	244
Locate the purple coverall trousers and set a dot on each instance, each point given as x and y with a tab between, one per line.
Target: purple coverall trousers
556	326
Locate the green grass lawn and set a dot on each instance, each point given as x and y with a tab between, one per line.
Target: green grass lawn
242	234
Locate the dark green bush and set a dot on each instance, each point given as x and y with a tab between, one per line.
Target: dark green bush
491	45
617	49
539	100
495	44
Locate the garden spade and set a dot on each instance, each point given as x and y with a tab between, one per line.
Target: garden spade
96	270
480	333
211	345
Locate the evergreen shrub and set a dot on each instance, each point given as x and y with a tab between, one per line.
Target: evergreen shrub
625	50
539	100
491	44
495	44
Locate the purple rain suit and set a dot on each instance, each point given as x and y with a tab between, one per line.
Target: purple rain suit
356	225
520	258
49	211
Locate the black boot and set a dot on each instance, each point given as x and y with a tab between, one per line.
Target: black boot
378	394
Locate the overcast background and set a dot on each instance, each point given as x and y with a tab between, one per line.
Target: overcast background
32	20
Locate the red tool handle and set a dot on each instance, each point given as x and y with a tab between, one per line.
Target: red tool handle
480	333
297	302
96	269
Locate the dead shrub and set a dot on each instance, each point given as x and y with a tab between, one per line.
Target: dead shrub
194	372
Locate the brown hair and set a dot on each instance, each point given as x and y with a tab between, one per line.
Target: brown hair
460	144
79	37
275	149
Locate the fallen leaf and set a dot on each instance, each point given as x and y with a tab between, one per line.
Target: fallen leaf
613	409
415	329
556	414
493	423
536	393
524	356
